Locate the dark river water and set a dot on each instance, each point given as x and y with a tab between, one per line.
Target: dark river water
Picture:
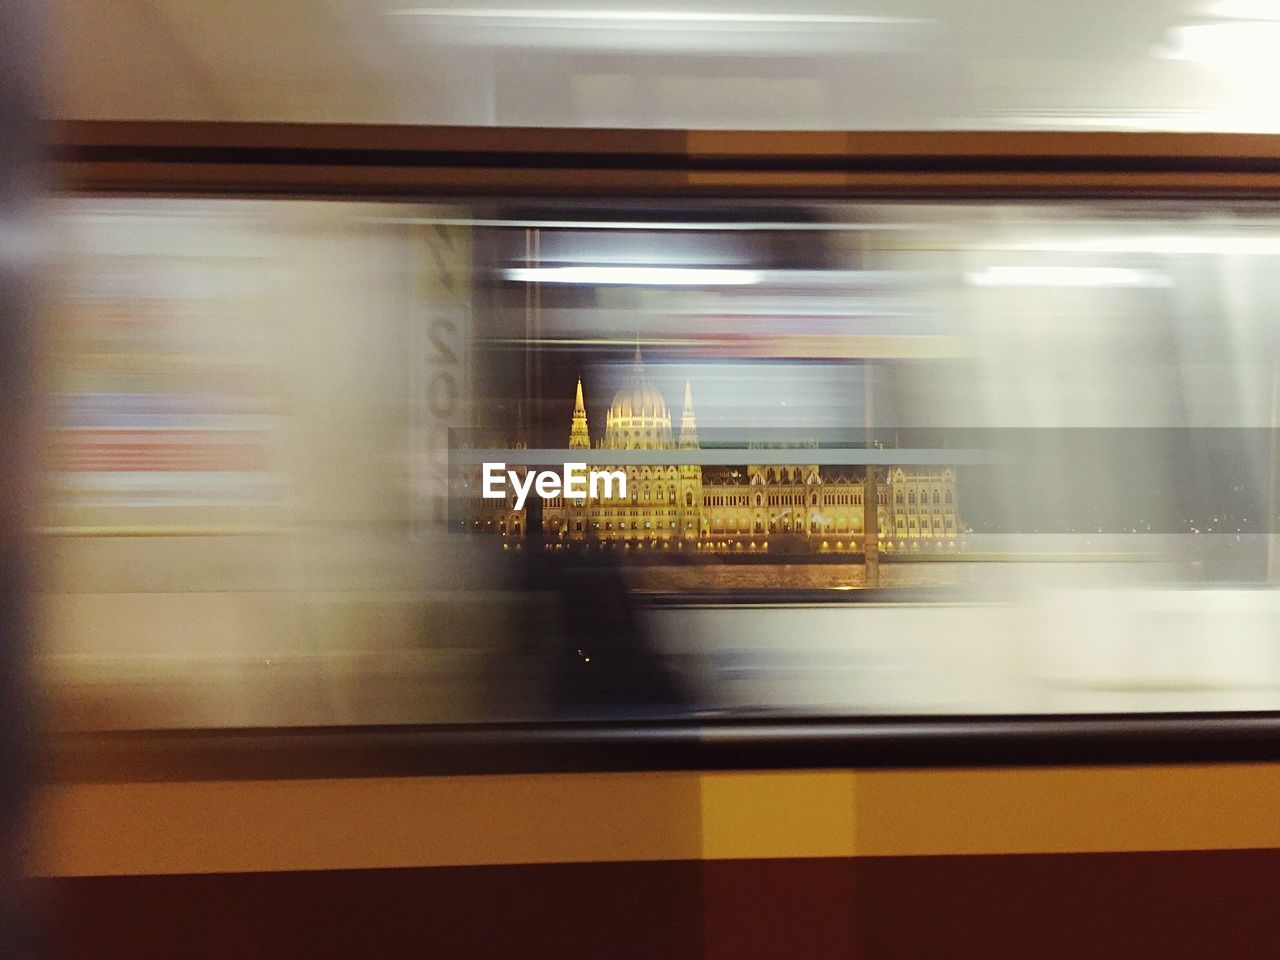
800	576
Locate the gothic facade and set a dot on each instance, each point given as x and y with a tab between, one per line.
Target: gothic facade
805	507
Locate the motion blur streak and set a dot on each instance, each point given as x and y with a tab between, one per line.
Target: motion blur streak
18	263
257	511
1158	65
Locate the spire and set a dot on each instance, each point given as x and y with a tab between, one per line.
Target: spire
688	425
578	436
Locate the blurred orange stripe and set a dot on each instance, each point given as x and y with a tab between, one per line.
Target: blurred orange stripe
221	826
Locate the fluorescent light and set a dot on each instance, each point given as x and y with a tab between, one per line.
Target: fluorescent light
646	16
1243	9
1066	277
694	226
636	276
1223	246
1233	45
1257	246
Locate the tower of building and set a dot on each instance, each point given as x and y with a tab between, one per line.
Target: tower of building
688	425
579	438
689	498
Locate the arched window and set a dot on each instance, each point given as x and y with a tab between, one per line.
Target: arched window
911	498
948	496
759	499
935	496
898	498
671	492
688	498
813	501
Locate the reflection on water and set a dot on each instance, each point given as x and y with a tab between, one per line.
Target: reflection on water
802	576
974	577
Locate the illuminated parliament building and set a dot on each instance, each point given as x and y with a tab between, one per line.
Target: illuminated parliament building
808	508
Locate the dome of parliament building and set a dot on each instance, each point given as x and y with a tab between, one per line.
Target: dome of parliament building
638	417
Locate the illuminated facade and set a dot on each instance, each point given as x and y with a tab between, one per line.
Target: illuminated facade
802	508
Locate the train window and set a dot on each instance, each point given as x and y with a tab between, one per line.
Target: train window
268	419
